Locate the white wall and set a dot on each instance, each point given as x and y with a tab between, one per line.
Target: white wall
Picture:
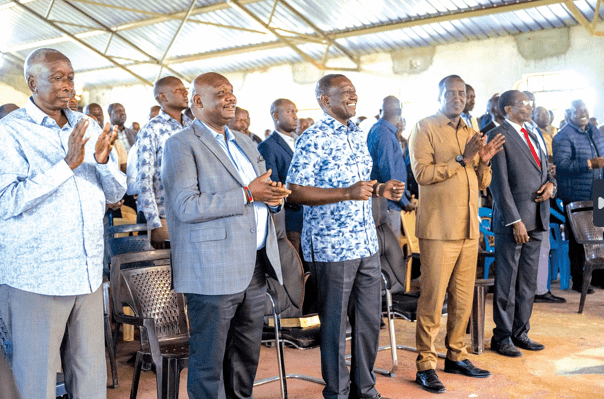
8	94
490	66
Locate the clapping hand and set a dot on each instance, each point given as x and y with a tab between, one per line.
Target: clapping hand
491	148
265	190
105	143
77	144
392	190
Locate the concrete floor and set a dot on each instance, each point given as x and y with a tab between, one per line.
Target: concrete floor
571	366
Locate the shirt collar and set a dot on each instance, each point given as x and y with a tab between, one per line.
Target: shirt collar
165	116
229	135
389	126
444	120
37	115
516	126
337	125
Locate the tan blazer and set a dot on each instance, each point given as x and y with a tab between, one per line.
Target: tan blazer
448	192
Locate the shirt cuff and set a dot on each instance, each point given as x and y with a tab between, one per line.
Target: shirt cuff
509	224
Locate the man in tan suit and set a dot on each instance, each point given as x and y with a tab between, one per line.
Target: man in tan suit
451	162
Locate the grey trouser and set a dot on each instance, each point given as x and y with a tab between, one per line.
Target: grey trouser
350	288
394	219
515	285
543	271
51	330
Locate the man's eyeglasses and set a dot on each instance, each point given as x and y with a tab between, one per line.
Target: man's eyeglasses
525	103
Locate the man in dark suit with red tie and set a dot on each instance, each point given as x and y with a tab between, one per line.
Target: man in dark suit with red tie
522	186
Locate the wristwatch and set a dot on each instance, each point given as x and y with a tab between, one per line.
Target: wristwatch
459	159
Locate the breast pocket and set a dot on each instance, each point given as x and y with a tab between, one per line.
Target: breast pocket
208	234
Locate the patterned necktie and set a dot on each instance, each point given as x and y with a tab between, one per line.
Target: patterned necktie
526	137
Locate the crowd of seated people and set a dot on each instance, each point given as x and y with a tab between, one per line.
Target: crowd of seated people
206	187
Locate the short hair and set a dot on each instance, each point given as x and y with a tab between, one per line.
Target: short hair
36	57
442	84
161	84
277	103
507	98
110	108
86	109
468	87
324	84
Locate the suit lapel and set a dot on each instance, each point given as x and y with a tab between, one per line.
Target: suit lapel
247	150
515	137
208	139
279	140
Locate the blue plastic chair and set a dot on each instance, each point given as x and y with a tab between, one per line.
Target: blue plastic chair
559	259
485	215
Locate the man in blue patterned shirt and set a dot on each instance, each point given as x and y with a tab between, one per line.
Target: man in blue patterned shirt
329	175
57	172
171	95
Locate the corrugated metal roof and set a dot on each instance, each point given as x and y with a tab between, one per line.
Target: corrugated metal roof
144	30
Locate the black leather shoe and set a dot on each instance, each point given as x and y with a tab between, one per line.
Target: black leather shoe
508	350
528	344
465	367
578	288
548	297
429	381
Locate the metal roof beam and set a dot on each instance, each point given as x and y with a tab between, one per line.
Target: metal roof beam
322	34
81	42
182	23
432	19
130	25
125	40
582	20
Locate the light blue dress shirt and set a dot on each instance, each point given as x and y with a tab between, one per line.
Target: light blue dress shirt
51	228
331	155
247	174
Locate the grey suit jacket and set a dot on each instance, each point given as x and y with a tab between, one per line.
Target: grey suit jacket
516	180
212	230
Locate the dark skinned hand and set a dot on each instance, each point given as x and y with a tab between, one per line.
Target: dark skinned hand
105	143
491	148
267	191
520	234
412	205
596	163
77	142
546	191
473	145
393	190
361	190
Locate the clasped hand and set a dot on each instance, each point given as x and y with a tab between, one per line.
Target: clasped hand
363	190
77	144
265	190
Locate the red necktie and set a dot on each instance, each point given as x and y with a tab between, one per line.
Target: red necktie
526	137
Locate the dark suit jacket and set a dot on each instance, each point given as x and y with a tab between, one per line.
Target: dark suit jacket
516	180
278	155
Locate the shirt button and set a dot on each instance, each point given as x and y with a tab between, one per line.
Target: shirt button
252	230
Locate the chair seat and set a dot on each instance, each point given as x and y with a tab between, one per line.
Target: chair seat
177	348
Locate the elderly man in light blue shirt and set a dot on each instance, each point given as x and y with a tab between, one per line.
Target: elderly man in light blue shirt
57	172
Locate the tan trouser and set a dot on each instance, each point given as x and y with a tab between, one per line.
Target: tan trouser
446	267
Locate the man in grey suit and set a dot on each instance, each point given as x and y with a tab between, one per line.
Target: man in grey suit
218	200
522	186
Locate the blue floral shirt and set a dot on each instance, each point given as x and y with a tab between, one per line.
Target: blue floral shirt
51	217
331	155
150	146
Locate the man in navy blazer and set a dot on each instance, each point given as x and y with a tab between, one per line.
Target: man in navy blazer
278	150
522	185
218	203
